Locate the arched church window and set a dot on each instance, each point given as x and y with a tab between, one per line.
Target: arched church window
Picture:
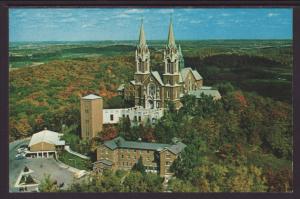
152	90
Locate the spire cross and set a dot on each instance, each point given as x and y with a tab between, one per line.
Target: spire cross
171	38
142	39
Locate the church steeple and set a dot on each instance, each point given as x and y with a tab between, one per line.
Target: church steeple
171	38
142	54
142	38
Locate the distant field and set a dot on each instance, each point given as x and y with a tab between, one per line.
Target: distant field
25	53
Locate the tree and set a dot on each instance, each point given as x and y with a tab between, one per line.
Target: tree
48	185
134	183
23	128
26	169
139	166
177	185
124	126
225	88
108	133
153	182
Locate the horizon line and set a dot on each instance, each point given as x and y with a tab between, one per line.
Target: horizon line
153	40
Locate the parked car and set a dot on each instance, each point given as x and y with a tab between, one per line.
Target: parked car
22	149
20	156
23	146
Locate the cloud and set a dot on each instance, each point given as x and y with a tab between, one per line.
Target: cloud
67	20
272	14
134	11
21	15
166	11
225	14
51	26
65	15
122	15
220	22
182	19
196	21
87	25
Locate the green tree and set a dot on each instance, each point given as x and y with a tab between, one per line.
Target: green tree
177	185
48	185
139	166
134	183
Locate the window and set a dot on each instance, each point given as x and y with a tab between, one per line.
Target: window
122	156
167	163
111	117
168	67
135	118
140	118
86	111
168	94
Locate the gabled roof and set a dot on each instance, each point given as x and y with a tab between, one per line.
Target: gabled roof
184	72
177	148
91	96
120	142
157	77
47	136
196	75
121	87
103	161
132	82
210	92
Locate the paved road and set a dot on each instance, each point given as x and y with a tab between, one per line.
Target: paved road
41	167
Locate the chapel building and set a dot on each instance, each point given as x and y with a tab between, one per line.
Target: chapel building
152	90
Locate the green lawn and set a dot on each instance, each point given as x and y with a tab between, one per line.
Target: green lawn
74	161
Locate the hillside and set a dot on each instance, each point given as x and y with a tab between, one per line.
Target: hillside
240	143
48	94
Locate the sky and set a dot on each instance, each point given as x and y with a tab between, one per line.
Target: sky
90	24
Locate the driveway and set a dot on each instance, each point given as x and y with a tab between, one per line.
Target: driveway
41	167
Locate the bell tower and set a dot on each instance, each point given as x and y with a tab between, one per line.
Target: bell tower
181	59
142	59
171	68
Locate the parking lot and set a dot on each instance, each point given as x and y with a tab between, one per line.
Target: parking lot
41	167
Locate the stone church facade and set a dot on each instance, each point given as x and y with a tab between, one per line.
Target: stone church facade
152	90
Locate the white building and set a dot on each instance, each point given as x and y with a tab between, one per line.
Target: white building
138	113
45	144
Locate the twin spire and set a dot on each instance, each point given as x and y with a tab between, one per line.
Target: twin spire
142	39
171	38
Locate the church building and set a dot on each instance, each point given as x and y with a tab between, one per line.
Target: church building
152	90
